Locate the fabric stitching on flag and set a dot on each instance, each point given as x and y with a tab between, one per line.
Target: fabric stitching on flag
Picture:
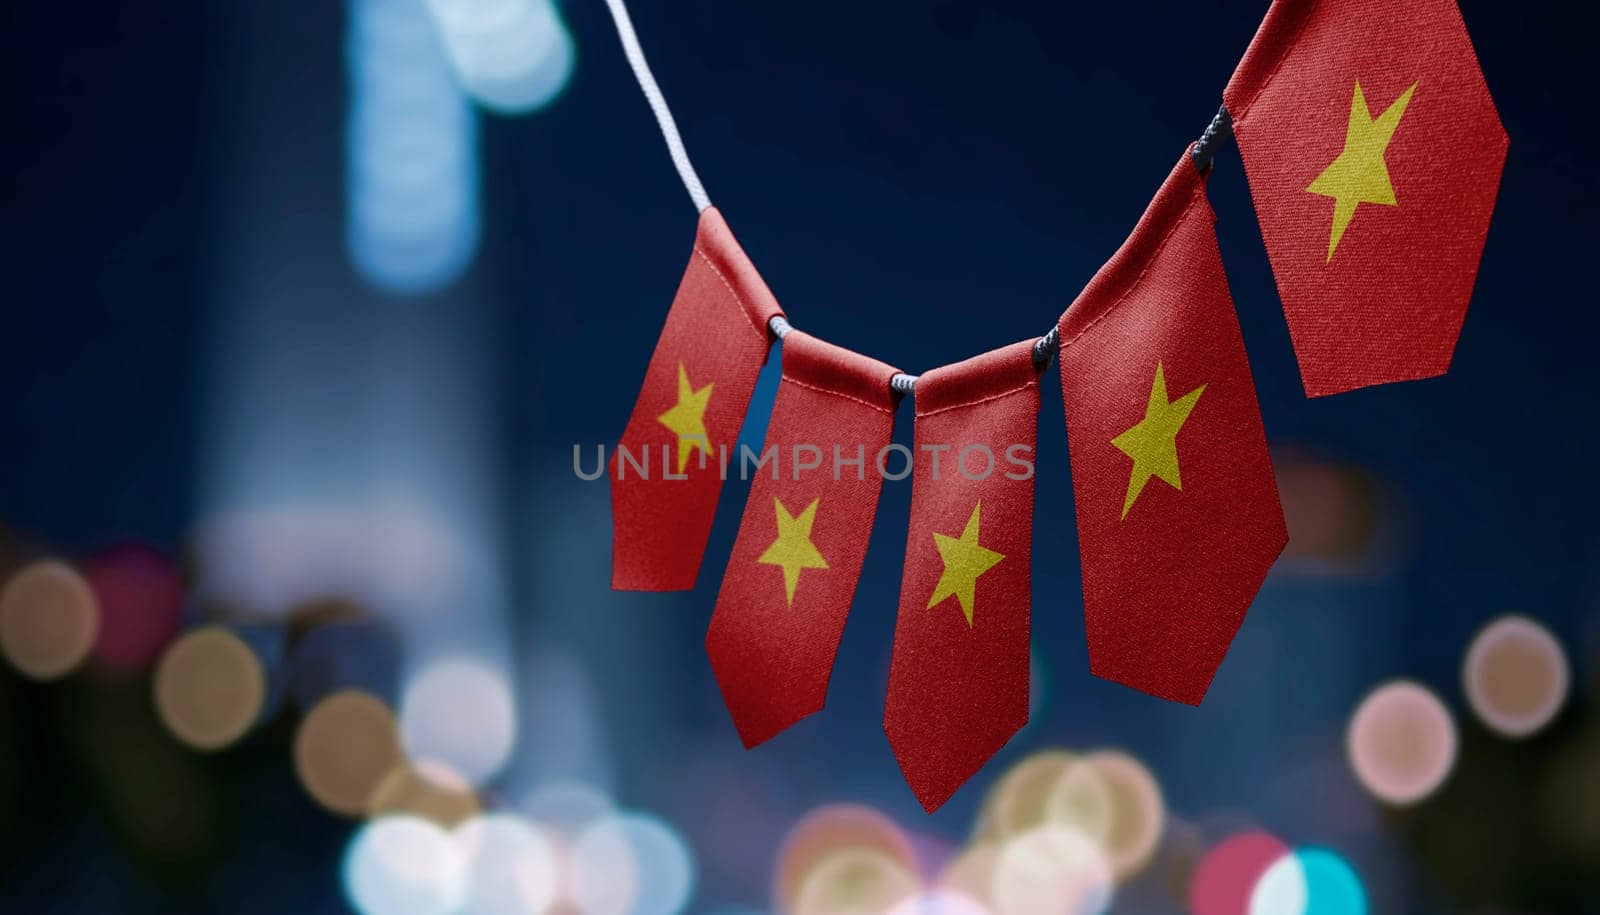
789	379
743	307
981	400
1272	74
1139	280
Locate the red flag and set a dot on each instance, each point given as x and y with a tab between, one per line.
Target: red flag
1374	156
958	684
666	473
793	570
1178	515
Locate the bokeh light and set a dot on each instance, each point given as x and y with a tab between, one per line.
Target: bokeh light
344	748
412	168
48	619
459	711
1227	877
401	865
1282	889
567	806
1051	870
1048	786
140	594
511	56
971	872
1516	676
1310	881
666	866
288	560
853	881
210	688
648	851
1332	885
1082	799
512	868
930	850
940	902
426	788
1401	743
603	871
1137	812
833	828
1333	513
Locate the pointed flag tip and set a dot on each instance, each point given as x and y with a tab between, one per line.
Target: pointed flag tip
755	732
1190	691
755	717
935	777
932	801
934	785
752	740
931	787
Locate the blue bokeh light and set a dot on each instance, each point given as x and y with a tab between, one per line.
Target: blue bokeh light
412	181
404	865
1309	881
511	56
666	866
1332	886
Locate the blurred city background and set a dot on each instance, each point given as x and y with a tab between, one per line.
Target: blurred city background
302	608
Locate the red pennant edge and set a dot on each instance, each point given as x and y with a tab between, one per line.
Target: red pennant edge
716	246
1122	274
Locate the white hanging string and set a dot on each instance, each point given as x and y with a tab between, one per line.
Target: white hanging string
658	103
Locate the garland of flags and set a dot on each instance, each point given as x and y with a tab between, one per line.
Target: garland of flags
1373	153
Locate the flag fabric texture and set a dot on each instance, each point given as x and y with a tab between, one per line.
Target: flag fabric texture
793	570
666	473
1178	514
958	682
1373	152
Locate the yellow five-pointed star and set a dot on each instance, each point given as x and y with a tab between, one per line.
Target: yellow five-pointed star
1359	175
1153	443
793	550
688	418
964	560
